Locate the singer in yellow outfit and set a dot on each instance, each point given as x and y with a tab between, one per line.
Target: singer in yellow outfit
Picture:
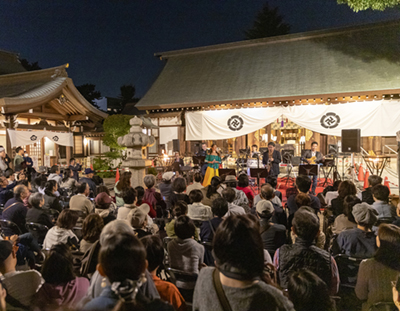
213	161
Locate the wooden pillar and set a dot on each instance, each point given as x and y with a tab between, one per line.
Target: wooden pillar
278	137
68	154
181	136
57	151
8	141
268	132
371	143
378	145
42	150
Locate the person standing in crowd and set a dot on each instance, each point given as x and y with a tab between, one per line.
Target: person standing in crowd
19	159
122	184
366	195
62	288
55	174
239	258
165	185
29	163
219	209
75	167
203	153
155	256
304	254
376	274
15	210
21	285
88	179
196	183
213	161
3	164
271	159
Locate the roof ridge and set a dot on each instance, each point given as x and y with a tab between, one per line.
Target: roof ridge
33	72
277	39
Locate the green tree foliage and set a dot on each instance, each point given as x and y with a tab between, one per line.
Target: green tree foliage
115	126
89	92
29	66
127	95
268	23
361	5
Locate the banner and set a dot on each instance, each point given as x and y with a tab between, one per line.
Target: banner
23	138
375	118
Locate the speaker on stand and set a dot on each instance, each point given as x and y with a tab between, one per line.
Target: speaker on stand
351	142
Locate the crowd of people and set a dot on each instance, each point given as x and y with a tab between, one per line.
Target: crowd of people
68	244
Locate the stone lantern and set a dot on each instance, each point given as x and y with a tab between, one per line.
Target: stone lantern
136	157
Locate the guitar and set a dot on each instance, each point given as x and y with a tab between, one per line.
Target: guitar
312	160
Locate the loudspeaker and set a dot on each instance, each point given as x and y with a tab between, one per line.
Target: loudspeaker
351	140
176	145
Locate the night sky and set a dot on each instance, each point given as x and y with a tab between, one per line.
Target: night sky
111	43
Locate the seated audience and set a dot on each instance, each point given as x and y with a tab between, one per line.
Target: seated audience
21	285
129	198
91	230
197	179
366	196
180	209
80	202
55	174
140	194
241	198
51	200
308	292
153	197
165	185
210	193
9	174
273	235
6	190
15	210
346	220
303	184
62	290
358	242
138	220
113	206
122	263
102	207
345	188
197	210
38	183
122	184
38	215
273	182
243	184
304	254
69	183
62	231
331	192
89	180
229	195
239	257
155	256
208	227
177	194
380	194
268	193
375	274
184	252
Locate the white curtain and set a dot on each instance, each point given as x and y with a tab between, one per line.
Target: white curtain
375	118
23	138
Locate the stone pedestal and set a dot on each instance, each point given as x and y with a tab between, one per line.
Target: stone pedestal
136	160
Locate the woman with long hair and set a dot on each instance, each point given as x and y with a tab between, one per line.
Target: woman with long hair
122	184
122	261
50	198
213	161
62	290
375	274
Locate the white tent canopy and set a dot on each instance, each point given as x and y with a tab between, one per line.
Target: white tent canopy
374	118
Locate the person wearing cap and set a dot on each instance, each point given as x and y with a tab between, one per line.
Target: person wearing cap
80	201
138	221
88	179
273	235
21	285
3	164
102	207
239	266
165	185
229	195
196	183
240	198
358	242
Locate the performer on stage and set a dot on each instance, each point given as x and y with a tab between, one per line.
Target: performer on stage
254	151
203	153
313	156
213	161
271	159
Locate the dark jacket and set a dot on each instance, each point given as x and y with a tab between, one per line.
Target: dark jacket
91	184
337	206
292	206
6	193
51	201
206	232
279	215
276	155
15	211
303	255
76	169
39	216
356	243
175	197
273	236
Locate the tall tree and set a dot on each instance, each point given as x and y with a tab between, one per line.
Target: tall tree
361	5
127	95
89	92
115	126
268	23
29	66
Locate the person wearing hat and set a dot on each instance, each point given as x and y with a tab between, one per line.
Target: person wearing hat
89	180
240	198
361	241
138	221
80	202
165	185
102	207
273	235
21	285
